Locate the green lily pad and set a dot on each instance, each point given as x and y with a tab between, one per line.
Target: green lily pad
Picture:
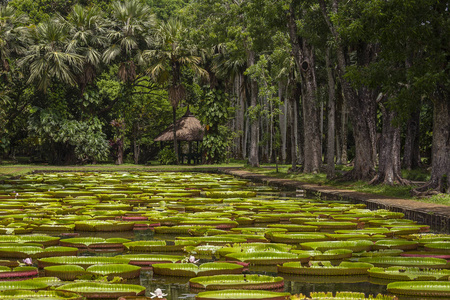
116	270
325	268
47	295
150	259
355	246
65	272
103	290
349	296
22	285
395	244
224	282
241	294
192	270
295	238
267	258
326	255
420	288
84	261
404	273
420	262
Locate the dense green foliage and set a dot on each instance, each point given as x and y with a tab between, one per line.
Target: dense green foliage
95	80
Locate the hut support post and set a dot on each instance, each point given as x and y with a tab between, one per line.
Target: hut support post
190	153
180	154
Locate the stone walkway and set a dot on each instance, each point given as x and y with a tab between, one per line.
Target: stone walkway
435	215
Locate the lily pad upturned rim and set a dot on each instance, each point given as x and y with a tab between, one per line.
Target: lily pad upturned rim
267	258
241	294
103	290
420	288
420	262
231	281
40	294
192	270
345	268
399	273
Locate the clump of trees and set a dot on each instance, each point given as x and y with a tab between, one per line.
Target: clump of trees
311	83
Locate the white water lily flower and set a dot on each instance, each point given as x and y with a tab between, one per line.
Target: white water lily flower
193	260
158	293
28	261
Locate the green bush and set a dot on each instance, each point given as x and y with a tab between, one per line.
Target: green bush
167	156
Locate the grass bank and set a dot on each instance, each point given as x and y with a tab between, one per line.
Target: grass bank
417	177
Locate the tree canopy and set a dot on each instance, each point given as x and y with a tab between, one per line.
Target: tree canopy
364	83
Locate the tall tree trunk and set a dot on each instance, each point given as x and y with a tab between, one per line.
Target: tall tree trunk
411	154
389	168
342	123
361	103
294	99
440	156
175	144
311	114
120	150
304	58
240	110
331	116
283	121
253	158
136	146
271	133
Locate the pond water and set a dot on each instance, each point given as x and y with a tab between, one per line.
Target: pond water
49	200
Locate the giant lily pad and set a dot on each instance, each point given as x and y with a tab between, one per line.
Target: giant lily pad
47	295
192	270
267	258
65	272
103	290
158	246
254	247
150	259
213	240
420	288
349	296
250	282
241	294
22	285
325	268
327	255
84	261
103	226
18	272
116	270
443	247
94	243
396	244
420	262
403	273
355	246
295	238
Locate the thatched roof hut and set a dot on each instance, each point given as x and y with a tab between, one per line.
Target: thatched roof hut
188	128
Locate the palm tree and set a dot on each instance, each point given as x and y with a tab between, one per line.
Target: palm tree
88	38
50	57
13	35
131	24
173	52
13	41
129	35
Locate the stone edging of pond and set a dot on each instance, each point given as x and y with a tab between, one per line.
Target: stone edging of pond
435	215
